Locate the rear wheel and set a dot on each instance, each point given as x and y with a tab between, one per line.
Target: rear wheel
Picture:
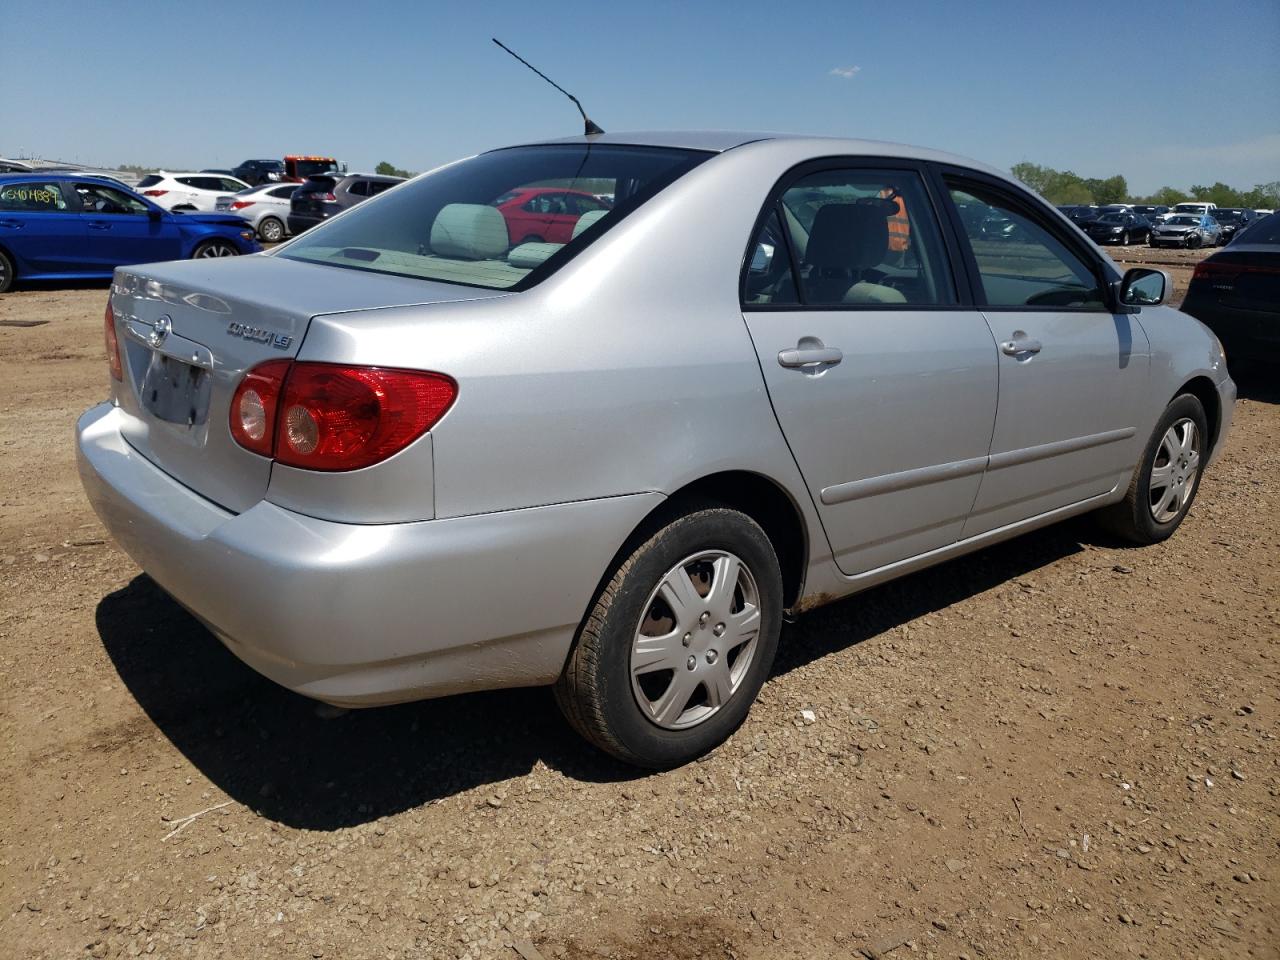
1165	483
7	273
215	248
679	642
270	230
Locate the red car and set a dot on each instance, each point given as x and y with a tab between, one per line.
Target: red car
545	214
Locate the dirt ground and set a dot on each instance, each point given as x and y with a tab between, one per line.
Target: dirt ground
1057	747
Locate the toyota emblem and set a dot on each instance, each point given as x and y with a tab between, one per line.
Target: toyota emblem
159	330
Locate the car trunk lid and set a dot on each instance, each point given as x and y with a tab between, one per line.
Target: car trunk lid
189	330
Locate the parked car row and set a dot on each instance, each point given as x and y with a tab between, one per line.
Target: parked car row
1189	224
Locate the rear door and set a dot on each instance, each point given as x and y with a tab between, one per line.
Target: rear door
883	381
1072	372
40	224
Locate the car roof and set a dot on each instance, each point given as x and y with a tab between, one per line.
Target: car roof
721	141
64	175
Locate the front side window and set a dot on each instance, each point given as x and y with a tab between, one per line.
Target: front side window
456	225
32	197
99	199
1020	262
865	237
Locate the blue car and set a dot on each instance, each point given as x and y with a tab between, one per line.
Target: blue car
60	226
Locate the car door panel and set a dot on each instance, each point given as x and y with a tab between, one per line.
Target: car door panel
40	223
884	385
892	441
1072	373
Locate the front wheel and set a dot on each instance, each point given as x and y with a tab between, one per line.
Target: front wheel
679	642
7	273
1193	242
1166	480
1124	239
215	248
270	230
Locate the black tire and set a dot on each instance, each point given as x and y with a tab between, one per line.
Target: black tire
1124	239
7	274
270	230
595	690
1133	518
1193	242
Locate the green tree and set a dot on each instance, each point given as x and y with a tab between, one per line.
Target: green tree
1111	190
388	170
1166	196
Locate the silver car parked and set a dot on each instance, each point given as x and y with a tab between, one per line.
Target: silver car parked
408	454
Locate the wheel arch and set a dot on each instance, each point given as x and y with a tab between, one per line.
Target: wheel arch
1204	390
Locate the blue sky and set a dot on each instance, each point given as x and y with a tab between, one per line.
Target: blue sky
1165	93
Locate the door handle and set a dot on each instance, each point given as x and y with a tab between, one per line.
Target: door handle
99	225
809	356
1020	345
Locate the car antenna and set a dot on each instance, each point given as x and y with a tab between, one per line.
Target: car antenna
589	127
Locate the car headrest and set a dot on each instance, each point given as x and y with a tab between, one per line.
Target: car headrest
469	231
852	235
587	219
530	255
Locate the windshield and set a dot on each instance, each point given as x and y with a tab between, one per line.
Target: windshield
1183	221
493	220
1112	218
309	168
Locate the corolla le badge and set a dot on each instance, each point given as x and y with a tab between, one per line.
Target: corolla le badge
159	330
259	335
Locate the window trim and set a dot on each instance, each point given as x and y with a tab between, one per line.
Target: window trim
1035	210
773	203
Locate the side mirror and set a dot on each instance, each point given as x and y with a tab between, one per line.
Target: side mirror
154	214
1144	288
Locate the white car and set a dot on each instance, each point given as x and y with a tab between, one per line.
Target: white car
1194	209
188	191
266	207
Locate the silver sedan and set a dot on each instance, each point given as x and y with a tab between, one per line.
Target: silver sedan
409	454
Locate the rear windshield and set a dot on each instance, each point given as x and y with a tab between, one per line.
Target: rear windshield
149	181
497	219
318	185
309	168
1266	230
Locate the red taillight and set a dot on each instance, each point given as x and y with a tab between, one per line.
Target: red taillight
112	344
335	417
154	193
241	204
1224	269
326	197
253	406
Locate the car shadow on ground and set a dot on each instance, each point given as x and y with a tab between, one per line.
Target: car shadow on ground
271	750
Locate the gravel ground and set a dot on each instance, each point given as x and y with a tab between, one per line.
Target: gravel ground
1056	747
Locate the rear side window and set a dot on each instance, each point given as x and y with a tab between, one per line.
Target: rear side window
32	197
284	193
377	186
149	181
445	226
359	187
855	238
1021	263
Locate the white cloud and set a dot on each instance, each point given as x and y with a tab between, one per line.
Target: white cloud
848	73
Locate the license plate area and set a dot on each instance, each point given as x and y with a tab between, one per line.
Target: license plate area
174	391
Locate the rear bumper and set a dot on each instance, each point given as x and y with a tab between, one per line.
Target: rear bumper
299	222
1245	334
363	614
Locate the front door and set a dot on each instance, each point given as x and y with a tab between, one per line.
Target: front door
1072	373
120	230
884	386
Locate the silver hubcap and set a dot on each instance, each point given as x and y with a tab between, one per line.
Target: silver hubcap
1173	473
272	231
696	640
216	250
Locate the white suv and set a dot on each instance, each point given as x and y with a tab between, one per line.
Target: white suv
189	191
